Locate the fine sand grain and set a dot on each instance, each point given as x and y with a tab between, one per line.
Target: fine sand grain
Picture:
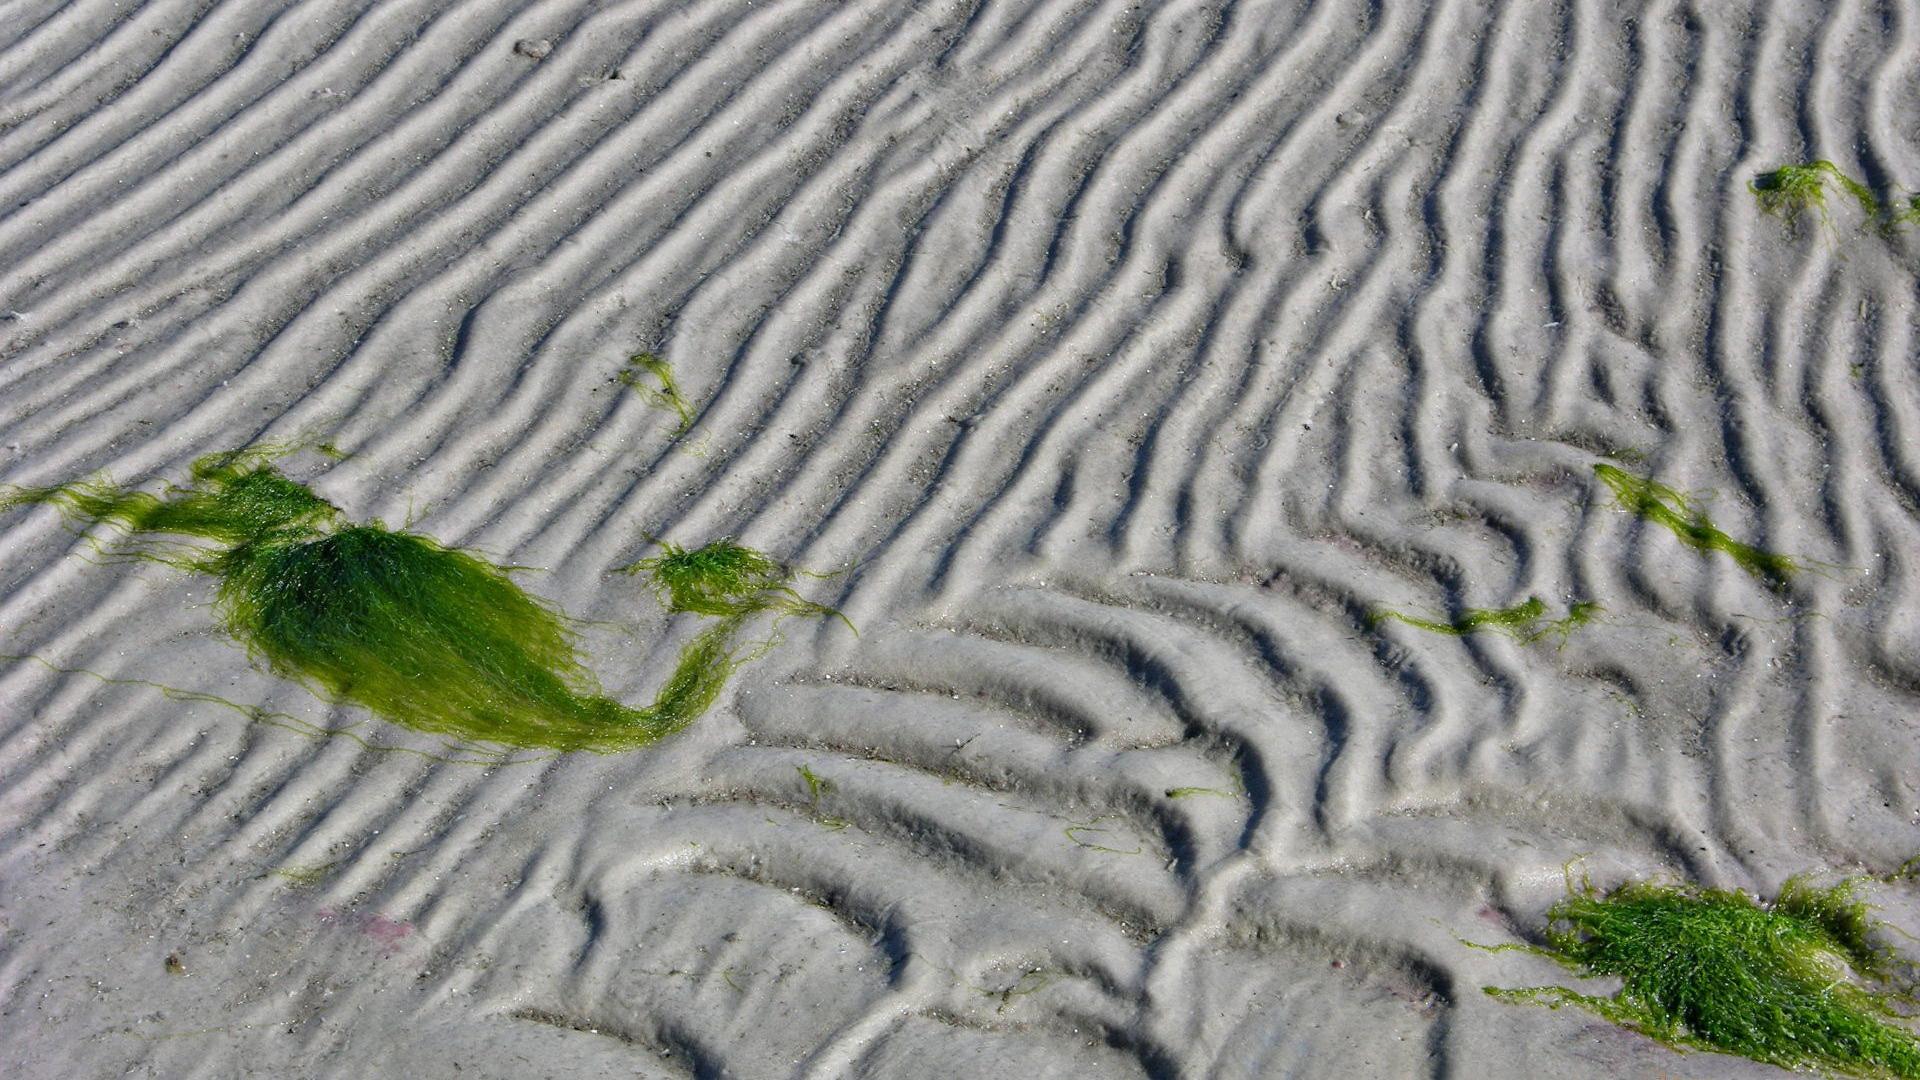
1118	365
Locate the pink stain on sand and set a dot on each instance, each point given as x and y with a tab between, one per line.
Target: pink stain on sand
388	933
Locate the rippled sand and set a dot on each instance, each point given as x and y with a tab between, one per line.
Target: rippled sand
1122	361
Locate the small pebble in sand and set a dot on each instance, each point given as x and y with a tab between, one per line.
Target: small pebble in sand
533	48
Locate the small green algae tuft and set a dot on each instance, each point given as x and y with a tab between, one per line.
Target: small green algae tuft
1797	982
1662	505
1524	622
665	396
817	785
1791	190
304	877
432	637
724	578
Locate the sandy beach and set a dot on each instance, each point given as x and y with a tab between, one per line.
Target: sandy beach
1298	481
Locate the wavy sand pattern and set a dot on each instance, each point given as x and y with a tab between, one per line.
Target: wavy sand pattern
1127	357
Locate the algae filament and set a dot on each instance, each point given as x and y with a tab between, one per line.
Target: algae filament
428	636
1795	983
1664	506
666	396
1522	622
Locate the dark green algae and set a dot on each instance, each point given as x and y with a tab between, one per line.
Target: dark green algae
428	636
1797	982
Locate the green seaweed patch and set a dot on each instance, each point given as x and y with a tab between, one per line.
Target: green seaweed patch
667	395
724	578
817	786
443	641
1525	622
1791	190
304	877
1797	982
1662	505
435	638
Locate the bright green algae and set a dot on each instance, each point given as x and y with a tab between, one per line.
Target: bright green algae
1525	622
428	636
241	498
1796	983
1664	506
724	578
1791	190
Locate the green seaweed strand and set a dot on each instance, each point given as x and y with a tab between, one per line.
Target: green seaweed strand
427	636
1666	507
1506	619
666	396
1522	621
1579	614
1796	983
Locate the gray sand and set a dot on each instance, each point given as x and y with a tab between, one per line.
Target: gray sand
1125	357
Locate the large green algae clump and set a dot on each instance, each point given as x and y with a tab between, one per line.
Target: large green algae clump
428	636
1796	983
1668	508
